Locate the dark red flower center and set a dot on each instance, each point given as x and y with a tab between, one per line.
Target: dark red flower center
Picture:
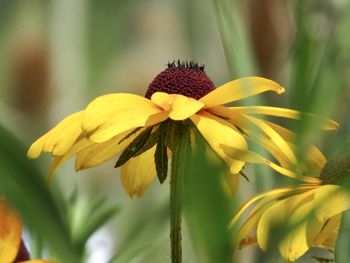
185	78
23	254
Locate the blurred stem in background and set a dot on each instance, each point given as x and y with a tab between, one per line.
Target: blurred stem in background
68	40
314	79
207	207
342	253
235	39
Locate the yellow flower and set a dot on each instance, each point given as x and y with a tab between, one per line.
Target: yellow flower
311	210
142	127
12	249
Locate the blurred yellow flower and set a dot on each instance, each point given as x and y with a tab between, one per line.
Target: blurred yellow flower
142	128
12	249
305	216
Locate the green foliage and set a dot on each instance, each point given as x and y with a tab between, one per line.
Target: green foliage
85	217
234	38
161	155
134	147
315	82
64	228
23	186
207	208
142	235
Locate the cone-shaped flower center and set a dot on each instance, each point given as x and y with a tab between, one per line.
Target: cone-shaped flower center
185	78
336	170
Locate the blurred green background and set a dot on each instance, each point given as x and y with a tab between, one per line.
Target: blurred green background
57	55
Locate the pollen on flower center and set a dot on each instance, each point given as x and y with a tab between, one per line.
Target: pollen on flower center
185	78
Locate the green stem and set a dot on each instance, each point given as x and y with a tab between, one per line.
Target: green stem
176	190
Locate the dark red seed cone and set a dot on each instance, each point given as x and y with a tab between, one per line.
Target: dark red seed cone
23	253
185	78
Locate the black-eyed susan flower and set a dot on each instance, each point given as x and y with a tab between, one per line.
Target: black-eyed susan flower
312	211
12	248
145	131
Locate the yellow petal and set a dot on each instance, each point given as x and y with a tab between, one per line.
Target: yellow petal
331	238
37	147
283	132
90	154
327	234
244	235
274	215
10	233
248	241
109	115
163	100
251	157
239	89
245	206
314	159
313	230
179	107
295	244
100	152
275	137
80	145
311	166
293	208
240	121
268	145
250	224
269	111
219	134
245	123
60	139
282	112
137	173
330	200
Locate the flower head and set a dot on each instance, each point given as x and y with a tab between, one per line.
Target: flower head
144	130
312	211
12	249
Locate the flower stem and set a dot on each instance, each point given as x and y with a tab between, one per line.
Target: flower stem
176	185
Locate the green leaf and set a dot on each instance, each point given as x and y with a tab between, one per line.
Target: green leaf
130	134
235	39
23	186
161	156
342	253
86	216
207	208
153	139
143	235
174	131
134	147
95	222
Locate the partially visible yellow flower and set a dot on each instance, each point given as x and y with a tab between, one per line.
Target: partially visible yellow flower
311	210
12	249
141	128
